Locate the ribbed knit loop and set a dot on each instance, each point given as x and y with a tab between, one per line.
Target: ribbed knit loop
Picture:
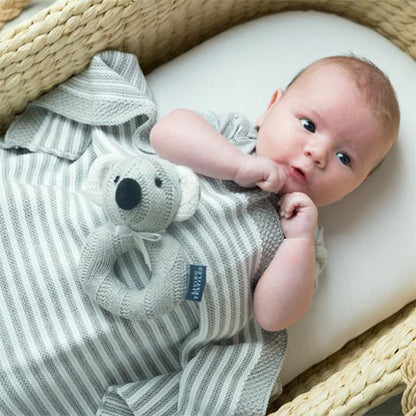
139	236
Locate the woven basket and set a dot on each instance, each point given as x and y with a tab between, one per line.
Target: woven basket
60	41
9	9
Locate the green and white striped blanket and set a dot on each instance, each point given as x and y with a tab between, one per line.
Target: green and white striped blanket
63	355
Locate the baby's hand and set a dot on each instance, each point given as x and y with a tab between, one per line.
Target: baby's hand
298	215
260	171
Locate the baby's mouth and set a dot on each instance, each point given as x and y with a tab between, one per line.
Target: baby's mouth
297	173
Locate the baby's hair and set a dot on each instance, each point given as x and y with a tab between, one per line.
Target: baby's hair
374	85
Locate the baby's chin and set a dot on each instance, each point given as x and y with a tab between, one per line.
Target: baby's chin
317	200
291	186
319	197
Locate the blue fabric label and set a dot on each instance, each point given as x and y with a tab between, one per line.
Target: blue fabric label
196	282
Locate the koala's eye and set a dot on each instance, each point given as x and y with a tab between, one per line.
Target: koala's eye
116	179
158	182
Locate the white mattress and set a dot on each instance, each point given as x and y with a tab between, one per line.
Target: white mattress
370	235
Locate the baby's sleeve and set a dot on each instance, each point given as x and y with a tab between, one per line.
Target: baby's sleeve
235	127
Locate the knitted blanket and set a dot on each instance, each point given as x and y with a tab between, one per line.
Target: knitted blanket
61	354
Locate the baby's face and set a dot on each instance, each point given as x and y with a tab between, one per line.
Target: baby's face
323	134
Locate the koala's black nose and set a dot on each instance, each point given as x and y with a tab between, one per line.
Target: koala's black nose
128	194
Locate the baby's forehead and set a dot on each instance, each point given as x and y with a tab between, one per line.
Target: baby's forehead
313	69
321	69
371	85
337	79
326	88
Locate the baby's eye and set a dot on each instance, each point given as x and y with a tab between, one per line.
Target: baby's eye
344	159
308	125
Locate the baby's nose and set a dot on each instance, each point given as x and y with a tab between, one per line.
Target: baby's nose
128	194
317	150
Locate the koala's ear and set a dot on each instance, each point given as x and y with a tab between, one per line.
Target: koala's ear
99	168
190	188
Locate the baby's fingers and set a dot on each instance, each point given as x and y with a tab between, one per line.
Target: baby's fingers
270	185
291	203
274	180
287	206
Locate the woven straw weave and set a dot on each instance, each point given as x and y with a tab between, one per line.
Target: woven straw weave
9	9
366	372
60	41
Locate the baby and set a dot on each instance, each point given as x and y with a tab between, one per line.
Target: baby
317	141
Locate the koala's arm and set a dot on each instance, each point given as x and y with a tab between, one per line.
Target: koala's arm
185	138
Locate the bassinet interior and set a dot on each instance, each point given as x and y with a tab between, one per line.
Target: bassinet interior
60	41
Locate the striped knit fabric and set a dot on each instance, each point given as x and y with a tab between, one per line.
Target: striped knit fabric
63	355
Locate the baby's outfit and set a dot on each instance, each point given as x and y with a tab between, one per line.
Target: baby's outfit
243	134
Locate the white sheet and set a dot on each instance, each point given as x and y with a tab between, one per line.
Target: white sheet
370	235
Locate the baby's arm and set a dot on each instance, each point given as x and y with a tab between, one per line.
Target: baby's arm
284	292
185	138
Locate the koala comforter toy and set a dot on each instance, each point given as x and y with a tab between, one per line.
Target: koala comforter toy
141	196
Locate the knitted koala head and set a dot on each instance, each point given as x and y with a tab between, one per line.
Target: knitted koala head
144	193
141	196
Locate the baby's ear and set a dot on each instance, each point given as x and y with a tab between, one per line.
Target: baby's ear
277	95
98	170
190	188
